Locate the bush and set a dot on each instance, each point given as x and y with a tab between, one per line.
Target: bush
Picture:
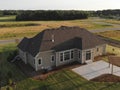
9	74
12	55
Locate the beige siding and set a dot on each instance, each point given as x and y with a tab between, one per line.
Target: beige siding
23	56
27	58
30	60
100	51
94	52
46	60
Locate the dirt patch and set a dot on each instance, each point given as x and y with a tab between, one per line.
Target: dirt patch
106	78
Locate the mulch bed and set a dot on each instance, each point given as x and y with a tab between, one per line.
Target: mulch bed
106	78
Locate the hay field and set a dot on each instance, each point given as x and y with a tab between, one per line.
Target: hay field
15	29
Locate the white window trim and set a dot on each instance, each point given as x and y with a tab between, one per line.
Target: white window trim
51	58
60	56
63	55
79	54
86	54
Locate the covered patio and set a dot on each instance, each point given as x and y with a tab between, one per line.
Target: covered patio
114	60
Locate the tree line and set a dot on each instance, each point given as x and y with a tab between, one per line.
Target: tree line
112	14
51	15
22	15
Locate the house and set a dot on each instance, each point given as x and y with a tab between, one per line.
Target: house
59	46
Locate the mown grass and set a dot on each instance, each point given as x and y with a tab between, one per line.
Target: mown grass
65	80
111	34
16	24
7	67
7	18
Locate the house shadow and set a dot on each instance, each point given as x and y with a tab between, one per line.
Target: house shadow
27	69
31	73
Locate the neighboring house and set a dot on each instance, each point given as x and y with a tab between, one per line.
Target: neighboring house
59	46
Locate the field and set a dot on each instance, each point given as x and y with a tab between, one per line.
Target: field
111	34
14	29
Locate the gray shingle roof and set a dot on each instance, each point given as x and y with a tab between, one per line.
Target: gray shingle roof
64	38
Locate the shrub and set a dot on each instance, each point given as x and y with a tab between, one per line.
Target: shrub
12	55
9	74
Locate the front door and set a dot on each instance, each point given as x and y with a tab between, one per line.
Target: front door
88	57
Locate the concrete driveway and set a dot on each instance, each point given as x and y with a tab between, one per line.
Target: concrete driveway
96	69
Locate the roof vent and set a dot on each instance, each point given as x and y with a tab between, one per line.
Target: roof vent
53	40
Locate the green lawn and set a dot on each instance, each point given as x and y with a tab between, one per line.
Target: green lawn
7	18
17	24
8	70
65	80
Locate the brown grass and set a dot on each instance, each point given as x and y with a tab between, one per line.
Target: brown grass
16	32
111	34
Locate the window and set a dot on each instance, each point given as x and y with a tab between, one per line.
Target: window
61	56
79	54
72	54
97	49
67	55
39	61
52	58
88	55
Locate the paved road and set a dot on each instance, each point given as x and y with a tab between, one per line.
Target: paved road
8	41
103	30
93	31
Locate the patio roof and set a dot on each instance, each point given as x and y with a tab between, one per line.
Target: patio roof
114	60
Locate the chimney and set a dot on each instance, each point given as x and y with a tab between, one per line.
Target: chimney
53	40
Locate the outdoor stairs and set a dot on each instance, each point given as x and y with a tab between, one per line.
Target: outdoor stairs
15	58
